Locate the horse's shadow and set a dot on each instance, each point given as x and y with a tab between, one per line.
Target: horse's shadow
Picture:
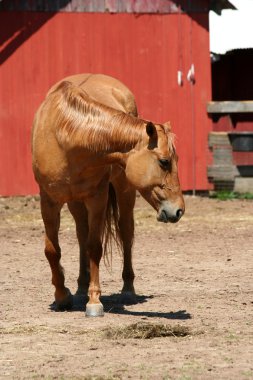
116	304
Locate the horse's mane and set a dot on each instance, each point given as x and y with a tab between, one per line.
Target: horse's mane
83	122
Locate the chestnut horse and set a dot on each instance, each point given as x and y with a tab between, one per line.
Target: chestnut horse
91	151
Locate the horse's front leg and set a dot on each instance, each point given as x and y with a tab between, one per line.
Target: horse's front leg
126	225
51	216
126	200
96	207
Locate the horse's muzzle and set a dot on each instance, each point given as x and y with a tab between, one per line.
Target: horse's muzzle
167	214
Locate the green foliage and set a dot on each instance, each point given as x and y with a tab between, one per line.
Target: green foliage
226	195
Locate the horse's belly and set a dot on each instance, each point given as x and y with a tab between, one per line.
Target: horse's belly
68	189
87	186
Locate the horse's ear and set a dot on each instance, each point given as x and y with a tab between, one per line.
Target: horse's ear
151	130
152	133
167	126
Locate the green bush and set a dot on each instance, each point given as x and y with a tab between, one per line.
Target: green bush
226	195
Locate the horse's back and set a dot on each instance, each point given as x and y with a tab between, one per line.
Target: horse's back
105	90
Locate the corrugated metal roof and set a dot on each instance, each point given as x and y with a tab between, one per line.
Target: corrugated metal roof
112	6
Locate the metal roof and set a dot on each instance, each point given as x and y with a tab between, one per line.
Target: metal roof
115	6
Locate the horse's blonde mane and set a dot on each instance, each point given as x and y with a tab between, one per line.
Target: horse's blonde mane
83	122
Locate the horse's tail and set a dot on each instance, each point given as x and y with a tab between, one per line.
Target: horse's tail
111	229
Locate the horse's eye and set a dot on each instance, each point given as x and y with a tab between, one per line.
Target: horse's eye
164	163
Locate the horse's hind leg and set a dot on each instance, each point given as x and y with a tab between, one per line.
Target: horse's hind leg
96	207
51	216
79	213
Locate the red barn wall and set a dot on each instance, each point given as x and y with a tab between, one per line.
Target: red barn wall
145	51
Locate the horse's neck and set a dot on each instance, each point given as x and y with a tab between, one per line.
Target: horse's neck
119	133
82	122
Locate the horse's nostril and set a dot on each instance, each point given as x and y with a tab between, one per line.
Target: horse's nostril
179	213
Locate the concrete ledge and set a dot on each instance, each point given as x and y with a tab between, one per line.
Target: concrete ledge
243	185
230	106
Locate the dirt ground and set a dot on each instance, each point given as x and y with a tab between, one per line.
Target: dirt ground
195	275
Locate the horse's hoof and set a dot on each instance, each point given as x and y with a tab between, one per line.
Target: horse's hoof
81	291
94	310
128	297
66	303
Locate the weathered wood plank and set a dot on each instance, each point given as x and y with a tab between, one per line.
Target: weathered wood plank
222	155
218	138
222	172
230	107
238	141
229	172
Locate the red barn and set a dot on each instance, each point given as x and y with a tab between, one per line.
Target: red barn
151	46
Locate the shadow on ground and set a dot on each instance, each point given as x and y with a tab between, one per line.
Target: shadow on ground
116	304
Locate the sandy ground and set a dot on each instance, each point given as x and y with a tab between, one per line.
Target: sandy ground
195	275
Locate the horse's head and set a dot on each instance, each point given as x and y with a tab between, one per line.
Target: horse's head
152	169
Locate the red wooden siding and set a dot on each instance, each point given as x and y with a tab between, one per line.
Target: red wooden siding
143	51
